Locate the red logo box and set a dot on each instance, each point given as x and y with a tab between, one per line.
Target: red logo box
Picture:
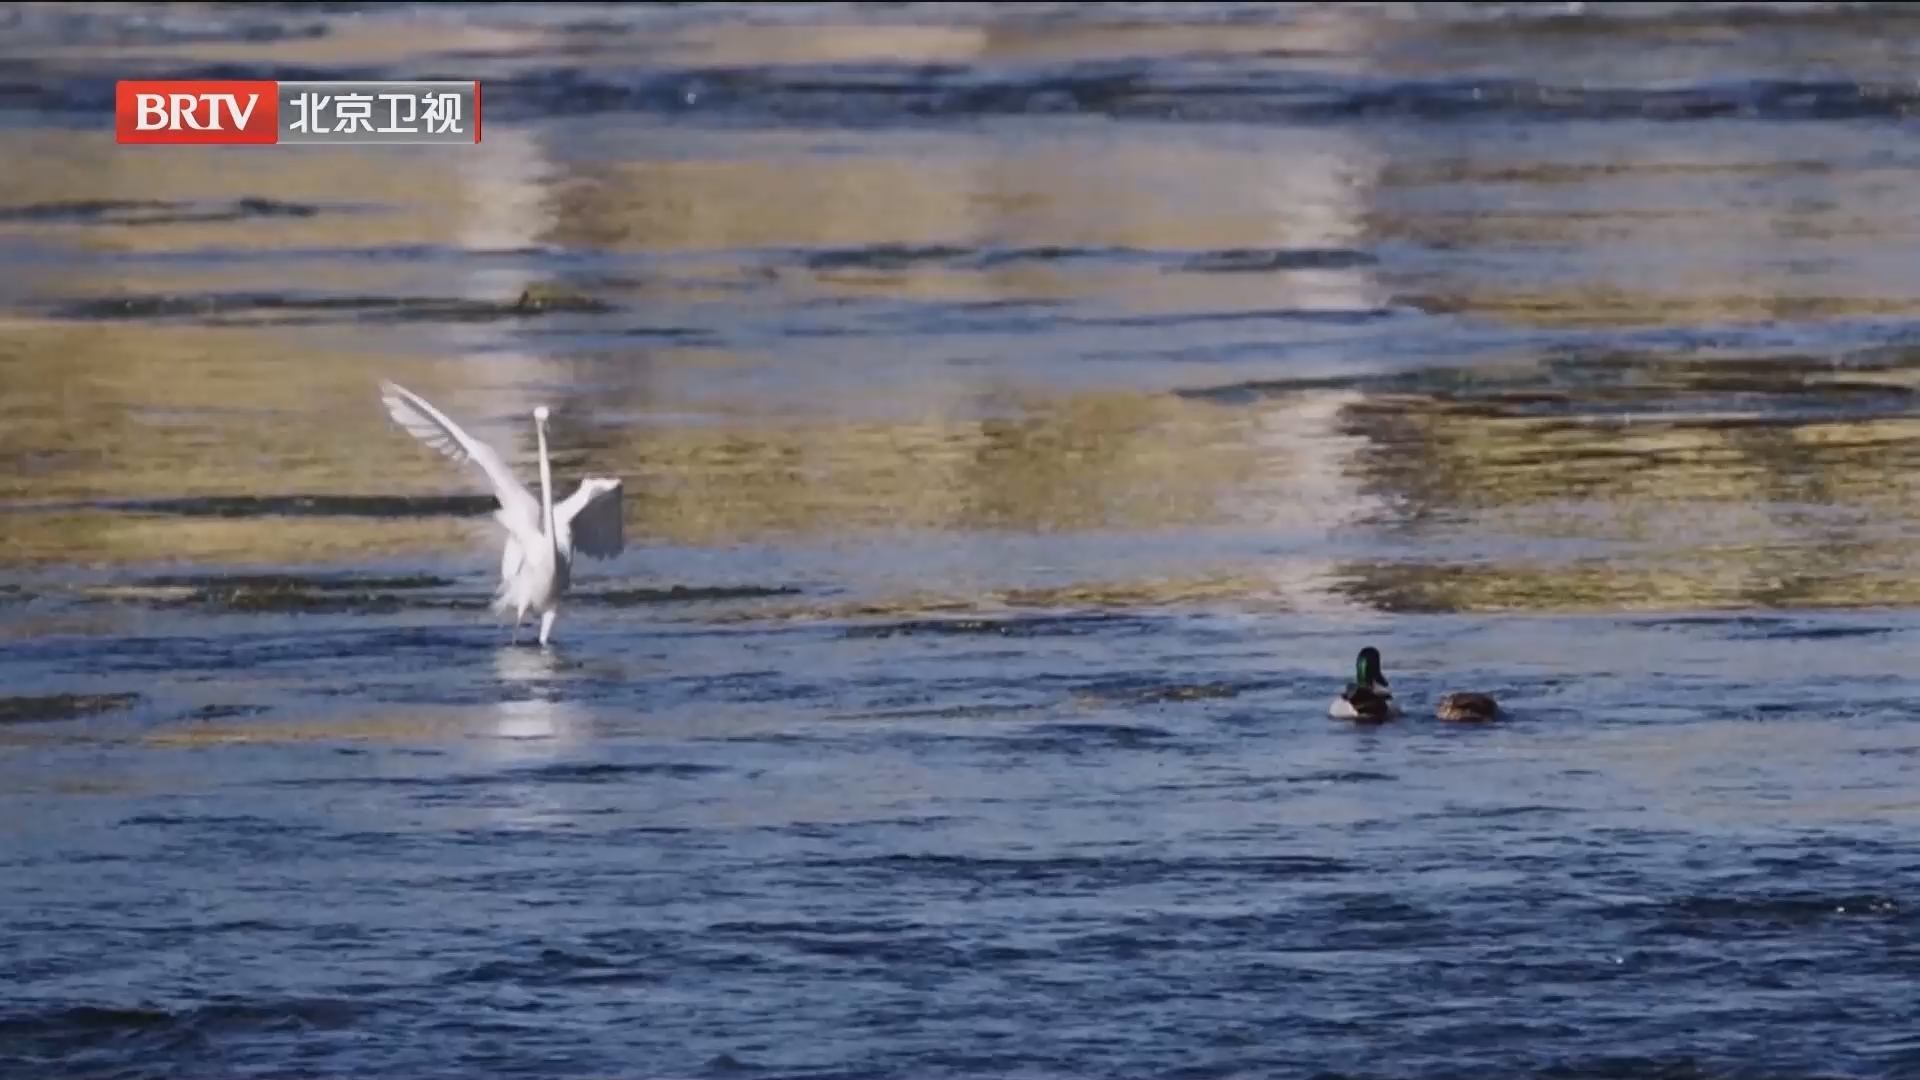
196	113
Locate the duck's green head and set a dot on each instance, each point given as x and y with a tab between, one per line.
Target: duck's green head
1366	668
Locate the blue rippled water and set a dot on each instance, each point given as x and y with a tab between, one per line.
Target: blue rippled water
1026	412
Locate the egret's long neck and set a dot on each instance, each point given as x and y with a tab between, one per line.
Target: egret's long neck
546	488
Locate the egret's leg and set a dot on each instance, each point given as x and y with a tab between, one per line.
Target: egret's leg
546	625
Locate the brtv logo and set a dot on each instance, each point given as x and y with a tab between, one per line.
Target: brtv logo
197	112
162	112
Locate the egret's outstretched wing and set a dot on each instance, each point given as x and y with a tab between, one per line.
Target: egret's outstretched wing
590	519
520	511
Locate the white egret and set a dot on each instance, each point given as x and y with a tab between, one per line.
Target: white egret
542	538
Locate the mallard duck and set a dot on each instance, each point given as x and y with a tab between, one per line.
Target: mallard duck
1467	708
1366	698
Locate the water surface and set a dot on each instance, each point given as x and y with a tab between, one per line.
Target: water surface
1025	412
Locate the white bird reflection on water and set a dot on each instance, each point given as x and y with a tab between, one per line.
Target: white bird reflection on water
522	735
538	726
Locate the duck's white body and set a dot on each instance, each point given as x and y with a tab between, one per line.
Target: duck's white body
1342	709
536	566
